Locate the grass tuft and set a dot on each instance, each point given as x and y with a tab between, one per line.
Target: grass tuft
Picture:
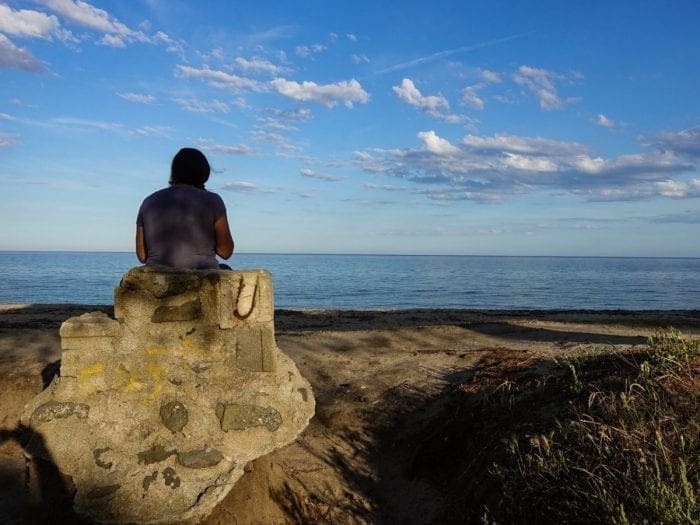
628	450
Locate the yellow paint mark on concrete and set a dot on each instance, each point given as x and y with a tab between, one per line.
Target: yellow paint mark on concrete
129	381
89	372
155	351
189	344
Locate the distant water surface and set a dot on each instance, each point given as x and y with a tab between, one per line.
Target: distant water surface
383	281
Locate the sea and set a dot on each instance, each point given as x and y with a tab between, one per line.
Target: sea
323	281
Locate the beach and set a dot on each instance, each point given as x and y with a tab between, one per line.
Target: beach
382	380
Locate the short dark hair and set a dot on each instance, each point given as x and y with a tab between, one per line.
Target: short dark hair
190	166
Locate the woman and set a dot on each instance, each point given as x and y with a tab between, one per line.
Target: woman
184	225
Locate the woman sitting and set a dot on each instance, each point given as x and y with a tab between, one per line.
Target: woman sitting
184	225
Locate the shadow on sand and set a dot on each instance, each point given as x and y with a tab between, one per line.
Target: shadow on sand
45	495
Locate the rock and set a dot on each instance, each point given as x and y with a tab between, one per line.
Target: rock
157	412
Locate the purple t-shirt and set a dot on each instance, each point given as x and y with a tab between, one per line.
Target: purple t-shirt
178	226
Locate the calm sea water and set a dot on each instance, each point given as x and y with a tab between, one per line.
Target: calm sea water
381	281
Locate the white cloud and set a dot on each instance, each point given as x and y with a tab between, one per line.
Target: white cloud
360	59
490	77
257	65
671	188
137	97
472	98
523	145
114	32
470	94
685	143
274	138
306	172
219	79
225	149
152	131
27	23
434	105
200	106
343	92
487	169
7	139
298	115
80	123
436	144
112	41
351	37
540	83
245	187
13	57
307	51
409	93
87	15
521	162
604	121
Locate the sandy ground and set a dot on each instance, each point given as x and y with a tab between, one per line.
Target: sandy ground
376	376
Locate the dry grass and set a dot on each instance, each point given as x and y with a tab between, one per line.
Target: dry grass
628	450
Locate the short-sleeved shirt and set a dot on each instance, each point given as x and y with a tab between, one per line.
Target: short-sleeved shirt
178	225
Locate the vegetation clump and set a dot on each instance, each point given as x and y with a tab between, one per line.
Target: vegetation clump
630	453
589	438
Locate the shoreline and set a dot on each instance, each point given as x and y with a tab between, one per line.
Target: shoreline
688	317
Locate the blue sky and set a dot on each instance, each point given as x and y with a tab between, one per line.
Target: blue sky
501	128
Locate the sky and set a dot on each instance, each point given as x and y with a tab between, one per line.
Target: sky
464	127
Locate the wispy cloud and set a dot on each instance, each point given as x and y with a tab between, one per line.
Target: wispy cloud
224	149
605	122
295	115
359	59
219	79
274	138
448	53
201	106
246	187
685	217
308	51
346	92
685	142
541	83
306	172
13	57
470	94
258	65
152	131
8	139
137	97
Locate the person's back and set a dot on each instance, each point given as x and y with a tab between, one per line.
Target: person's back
184	225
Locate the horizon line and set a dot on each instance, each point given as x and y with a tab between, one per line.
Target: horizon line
372	254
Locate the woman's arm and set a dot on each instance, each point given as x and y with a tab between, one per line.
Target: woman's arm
224	241
141	251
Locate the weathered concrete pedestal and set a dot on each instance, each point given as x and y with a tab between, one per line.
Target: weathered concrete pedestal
156	412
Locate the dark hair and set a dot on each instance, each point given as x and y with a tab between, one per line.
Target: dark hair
190	166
